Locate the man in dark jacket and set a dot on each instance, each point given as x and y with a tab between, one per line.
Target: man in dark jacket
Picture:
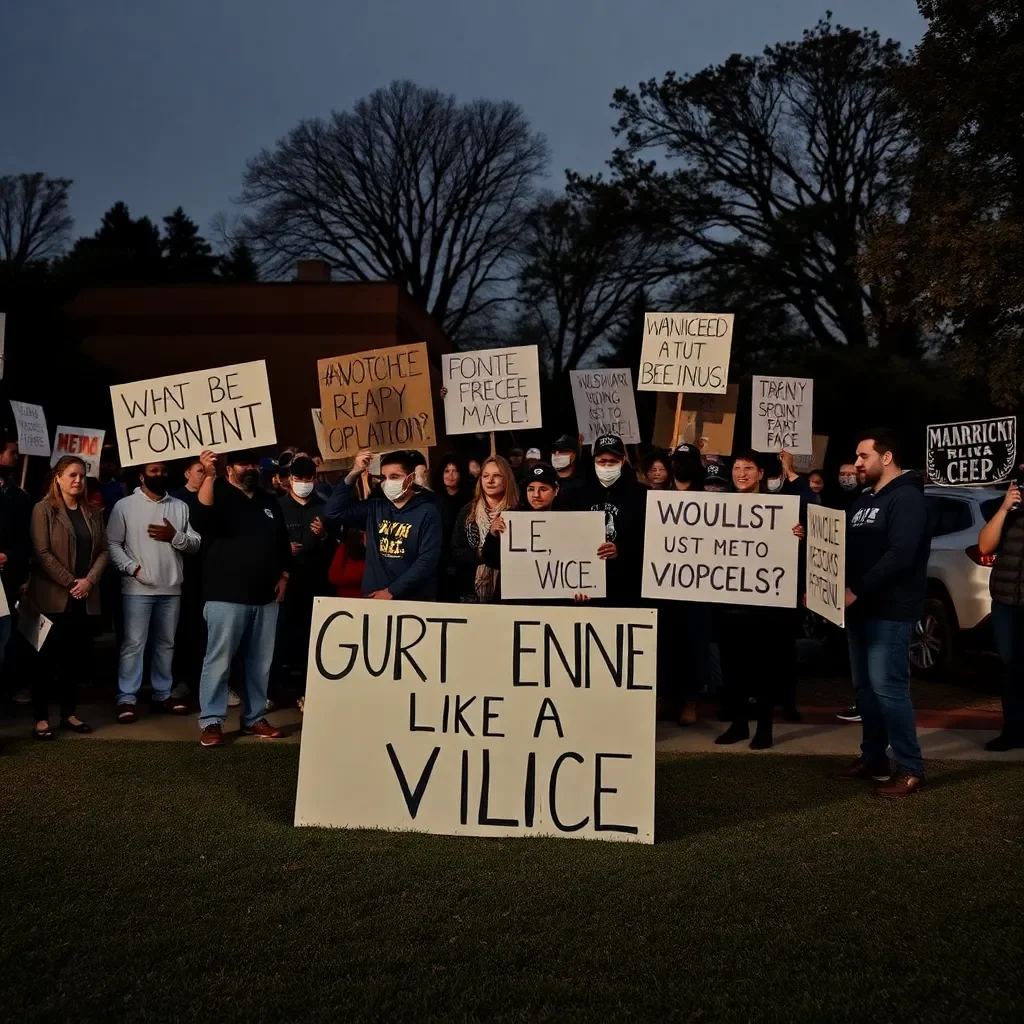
565	462
615	491
887	548
15	546
246	557
403	529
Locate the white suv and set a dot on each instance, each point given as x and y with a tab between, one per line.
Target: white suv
958	603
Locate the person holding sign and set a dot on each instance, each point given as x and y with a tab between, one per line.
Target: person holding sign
69	546
564	461
403	529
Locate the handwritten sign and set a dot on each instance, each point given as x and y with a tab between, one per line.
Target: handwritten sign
81	441
379	400
781	415
172	417
327	465
686	352
806	463
33	437
721	548
552	555
708	421
492	389
974	453
826	563
605	404
404	731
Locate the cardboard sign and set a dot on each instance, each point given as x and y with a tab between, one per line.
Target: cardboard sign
605	404
686	352
480	720
492	389
33	437
826	563
328	465
781	415
806	463
973	453
708	421
223	410
721	548
549	556
85	443
379	400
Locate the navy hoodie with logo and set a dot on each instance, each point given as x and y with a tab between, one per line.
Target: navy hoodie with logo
888	541
403	545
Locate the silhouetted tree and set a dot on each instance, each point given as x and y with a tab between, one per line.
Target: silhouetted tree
34	219
239	264
123	250
187	255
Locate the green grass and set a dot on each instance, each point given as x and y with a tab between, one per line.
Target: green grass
161	881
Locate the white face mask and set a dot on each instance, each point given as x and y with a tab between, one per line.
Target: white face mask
302	488
848	482
774	486
393	489
561	461
608	474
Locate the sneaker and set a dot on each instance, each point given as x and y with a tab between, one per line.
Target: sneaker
851	714
212	736
23	696
263	729
901	785
126	714
861	771
233	699
181	691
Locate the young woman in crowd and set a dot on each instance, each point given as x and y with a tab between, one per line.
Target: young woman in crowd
816	481
655	472
453	487
752	641
69	555
496	492
1003	536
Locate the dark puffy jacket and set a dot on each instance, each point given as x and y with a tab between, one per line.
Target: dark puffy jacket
1006	583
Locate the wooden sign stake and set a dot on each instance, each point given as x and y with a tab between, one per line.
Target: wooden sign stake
24	470
494	447
675	422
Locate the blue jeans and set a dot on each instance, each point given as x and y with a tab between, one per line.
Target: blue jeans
1008	628
880	666
232	627
147	617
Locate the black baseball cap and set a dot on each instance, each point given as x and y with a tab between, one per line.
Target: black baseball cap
565	443
716	476
243	457
609	444
542	473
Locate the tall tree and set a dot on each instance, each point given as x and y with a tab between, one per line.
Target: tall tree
409	186
955	260
187	255
239	264
34	219
784	160
123	250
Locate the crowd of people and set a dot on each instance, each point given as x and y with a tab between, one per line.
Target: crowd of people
210	588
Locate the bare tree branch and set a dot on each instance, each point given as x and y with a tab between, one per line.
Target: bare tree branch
34	219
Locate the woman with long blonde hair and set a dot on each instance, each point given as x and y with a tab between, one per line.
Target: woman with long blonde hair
69	555
475	548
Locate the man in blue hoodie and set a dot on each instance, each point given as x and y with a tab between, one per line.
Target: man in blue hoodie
403	529
887	547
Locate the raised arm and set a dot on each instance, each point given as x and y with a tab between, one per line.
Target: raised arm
343	509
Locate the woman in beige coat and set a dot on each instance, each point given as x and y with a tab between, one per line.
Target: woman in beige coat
69	554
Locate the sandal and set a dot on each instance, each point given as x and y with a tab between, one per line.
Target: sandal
171	706
80	728
127	714
42	734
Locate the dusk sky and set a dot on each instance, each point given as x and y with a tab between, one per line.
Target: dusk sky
160	105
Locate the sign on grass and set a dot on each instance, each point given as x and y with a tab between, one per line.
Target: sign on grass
686	352
826	563
721	548
492	389
552	555
223	410
480	720
33	437
781	415
975	452
605	404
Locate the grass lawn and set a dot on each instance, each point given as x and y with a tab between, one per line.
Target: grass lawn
160	882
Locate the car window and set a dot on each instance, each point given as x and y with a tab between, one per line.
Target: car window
948	515
990	508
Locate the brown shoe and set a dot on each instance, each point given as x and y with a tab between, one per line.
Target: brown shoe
169	707
212	736
861	771
688	716
263	729
902	785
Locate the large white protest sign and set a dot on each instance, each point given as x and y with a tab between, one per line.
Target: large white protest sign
33	437
493	389
222	410
781	415
972	453
686	352
552	555
721	548
480	720
81	441
826	563
605	404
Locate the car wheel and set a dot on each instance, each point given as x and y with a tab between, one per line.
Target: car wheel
931	643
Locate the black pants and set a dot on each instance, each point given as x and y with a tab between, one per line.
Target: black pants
291	649
64	662
190	639
684	651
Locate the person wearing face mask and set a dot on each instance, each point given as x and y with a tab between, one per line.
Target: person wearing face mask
246	561
149	533
565	462
848	491
402	525
617	493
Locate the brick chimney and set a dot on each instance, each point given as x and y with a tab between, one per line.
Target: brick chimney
312	270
